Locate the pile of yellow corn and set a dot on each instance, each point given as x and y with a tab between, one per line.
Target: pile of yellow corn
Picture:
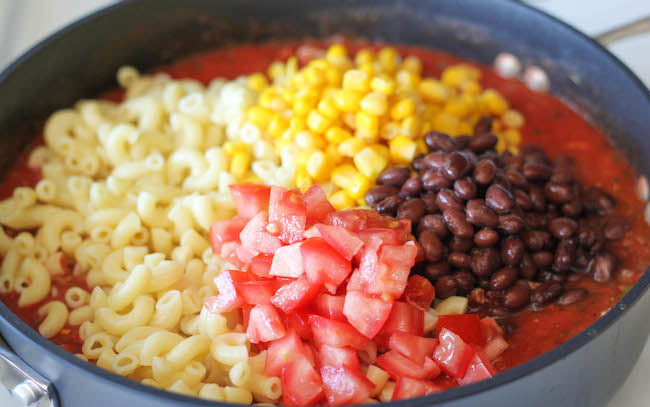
344	119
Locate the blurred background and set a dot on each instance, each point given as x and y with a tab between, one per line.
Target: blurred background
23	23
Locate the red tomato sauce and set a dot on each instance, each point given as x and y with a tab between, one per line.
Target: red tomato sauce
550	124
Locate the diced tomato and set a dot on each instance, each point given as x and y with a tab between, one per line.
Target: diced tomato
225	231
282	352
393	269
452	354
287	209
398	365
408	388
368	353
419	292
413	347
387	236
311	232
331	355
490	328
330	306
403	318
245	254
403	230
250	198
300	324
301	384
288	262
467	326
479	368
366	314
335	333
264	324
495	347
229	253
228	298
295	295
261	265
344	385
257	292
343	241
322	263
353	220
317	204
368	264
255	237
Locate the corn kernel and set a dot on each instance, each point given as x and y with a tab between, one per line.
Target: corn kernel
291	67
351	147
358	187
471	88
389	131
332	153
434	90
276	69
383	84
315	76
402	109
260	116
350	120
493	102
304	102
303	157
268	96
374	103
513	119
277	126
367	125
364	56
318	166
412	64
411	126
369	162
303	180
327	107
297	124
446	123
317	122
287	95
402	149
512	136
333	76
233	147
501	145
357	80
422	147
257	82
456	107
340	200
389	59
407	79
337	135
336	51
306	140
381	149
239	164
343	175
252	178
348	100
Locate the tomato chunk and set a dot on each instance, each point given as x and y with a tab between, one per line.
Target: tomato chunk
331	355
264	324
288	211
318	207
300	324
282	352
295	295
228	298
257	292
256	238
490	328
335	333
344	385
322	263
419	292
495	347
343	241
407	388
301	384
452	354
229	253
330	306
366	314
387	236
392	270
479	368
353	220
288	262
250	198
467	326
225	231
403	318
261	265
398	365
413	347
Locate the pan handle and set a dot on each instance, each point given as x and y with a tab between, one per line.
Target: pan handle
27	387
636	27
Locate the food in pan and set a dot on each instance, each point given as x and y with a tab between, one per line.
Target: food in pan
312	223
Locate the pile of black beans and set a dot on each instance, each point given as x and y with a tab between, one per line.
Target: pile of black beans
506	231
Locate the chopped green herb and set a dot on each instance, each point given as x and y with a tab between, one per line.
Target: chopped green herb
557	325
626	289
612	299
616	180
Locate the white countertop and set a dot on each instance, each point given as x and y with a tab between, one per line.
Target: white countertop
25	22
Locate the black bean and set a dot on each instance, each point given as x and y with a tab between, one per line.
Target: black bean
499	199
379	193
434	181
501	179
572	208
562	228
517	296
558	193
418	163
457	223
546	292
516	178
484	172
587	236
564	255
486	237
434	161
535	171
512	250
536	220
522	199
504	278
582	259
412	187
434	271
495	157
436	140
482	142
597	200
485	261
515	162
389	205
572	296
465	188
446	286
455	166
478	213
603	267
483	125
462	141
536	240
459	260
460	245
537	197
511	224
465	281
413	209
429	199
447	199
615	228
542	259
498	312
395	176
431	245
436	224
528	267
